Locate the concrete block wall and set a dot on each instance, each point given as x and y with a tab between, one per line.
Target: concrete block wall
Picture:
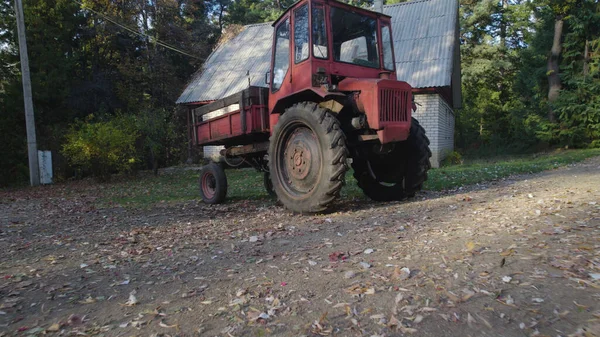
436	116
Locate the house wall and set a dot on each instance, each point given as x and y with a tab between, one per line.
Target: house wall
436	116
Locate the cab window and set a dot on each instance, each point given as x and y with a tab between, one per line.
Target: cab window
301	34
281	63
319	33
386	44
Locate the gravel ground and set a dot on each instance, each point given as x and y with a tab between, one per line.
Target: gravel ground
515	257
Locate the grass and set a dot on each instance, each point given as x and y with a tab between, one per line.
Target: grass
477	171
147	190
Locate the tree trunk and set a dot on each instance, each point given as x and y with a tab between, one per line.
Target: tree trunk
554	84
221	13
503	24
586	58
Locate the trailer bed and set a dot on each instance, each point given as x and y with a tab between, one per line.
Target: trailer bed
240	119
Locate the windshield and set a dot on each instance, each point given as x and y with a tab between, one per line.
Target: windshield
354	38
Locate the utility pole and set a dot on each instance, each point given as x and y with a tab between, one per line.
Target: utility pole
34	171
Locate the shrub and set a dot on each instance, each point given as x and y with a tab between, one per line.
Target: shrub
453	158
102	147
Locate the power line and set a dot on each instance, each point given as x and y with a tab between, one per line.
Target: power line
153	39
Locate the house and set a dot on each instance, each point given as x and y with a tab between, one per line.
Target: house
427	51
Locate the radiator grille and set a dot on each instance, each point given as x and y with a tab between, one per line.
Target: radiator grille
393	105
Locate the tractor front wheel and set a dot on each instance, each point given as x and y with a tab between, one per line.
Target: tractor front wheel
213	184
307	158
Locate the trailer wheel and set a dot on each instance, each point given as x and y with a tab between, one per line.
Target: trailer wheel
307	158
213	184
268	184
398	175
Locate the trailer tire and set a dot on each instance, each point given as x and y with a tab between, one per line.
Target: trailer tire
411	157
213	184
307	158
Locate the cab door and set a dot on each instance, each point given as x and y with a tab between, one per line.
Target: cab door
281	74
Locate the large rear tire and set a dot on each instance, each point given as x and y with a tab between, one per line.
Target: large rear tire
307	158
398	175
213	184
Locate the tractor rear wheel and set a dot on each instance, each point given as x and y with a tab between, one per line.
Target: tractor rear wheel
307	158
213	184
399	174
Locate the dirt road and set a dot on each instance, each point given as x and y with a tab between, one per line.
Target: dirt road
517	257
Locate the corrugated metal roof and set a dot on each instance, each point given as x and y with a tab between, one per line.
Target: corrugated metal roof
425	36
424	33
227	69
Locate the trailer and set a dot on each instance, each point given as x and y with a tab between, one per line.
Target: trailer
332	95
240	123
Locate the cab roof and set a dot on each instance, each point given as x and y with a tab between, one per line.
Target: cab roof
356	9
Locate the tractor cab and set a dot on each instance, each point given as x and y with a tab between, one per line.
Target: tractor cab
330	41
324	50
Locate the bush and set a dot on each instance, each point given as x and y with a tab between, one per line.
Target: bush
453	158
103	147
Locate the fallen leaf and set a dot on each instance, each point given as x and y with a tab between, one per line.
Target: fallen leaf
164	325
88	300
394	323
54	327
470	319
470	246
508	252
132	300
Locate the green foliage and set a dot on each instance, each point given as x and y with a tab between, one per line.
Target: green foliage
158	133
453	158
505	49
245	12
83	63
578	106
481	171
102	147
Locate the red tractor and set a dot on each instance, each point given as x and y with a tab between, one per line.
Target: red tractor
333	95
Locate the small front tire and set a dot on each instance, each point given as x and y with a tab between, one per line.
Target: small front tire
213	184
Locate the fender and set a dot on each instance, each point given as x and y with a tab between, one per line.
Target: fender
308	95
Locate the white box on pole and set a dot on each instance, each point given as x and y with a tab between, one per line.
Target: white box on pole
45	162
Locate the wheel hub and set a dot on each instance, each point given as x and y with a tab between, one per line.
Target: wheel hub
209	185
299	161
